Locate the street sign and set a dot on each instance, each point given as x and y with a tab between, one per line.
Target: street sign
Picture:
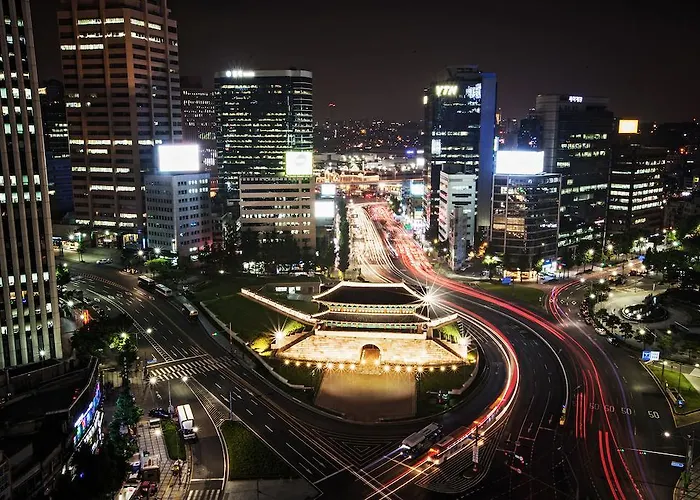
650	355
680	465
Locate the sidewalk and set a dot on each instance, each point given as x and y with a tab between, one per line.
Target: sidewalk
151	441
693	491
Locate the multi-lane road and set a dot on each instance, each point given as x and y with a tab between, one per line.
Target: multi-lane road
351	460
586	421
613	434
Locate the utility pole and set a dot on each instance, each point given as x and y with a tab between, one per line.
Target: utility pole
230	405
689	461
475	449
170	400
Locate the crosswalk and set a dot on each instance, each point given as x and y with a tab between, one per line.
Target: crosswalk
189	368
204	495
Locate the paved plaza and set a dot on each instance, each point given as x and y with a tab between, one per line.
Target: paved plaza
368	397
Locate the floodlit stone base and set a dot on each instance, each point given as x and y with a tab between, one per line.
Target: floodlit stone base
348	350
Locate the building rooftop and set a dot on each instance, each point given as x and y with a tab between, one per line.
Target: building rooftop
370	318
390	294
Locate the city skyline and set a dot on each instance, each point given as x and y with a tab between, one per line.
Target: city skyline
375	66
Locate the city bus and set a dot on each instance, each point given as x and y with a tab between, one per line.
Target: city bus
189	311
164	290
450	445
147	283
420	441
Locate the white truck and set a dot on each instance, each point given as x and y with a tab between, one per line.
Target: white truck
185	418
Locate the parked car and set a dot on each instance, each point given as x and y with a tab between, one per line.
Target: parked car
158	412
614	341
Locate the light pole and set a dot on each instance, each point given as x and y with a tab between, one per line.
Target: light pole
42	355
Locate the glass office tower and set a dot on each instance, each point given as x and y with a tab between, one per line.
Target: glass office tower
576	139
260	115
29	320
460	134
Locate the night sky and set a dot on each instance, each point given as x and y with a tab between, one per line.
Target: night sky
374	61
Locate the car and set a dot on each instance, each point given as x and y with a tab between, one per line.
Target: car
614	341
601	331
158	412
148	488
634	272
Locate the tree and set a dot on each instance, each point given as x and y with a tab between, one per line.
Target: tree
343	236
81	250
326	254
250	245
395	204
62	275
491	263
88	343
626	329
666	344
613	321
158	266
601	315
126	412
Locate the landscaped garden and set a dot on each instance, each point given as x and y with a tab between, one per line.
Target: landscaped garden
250	458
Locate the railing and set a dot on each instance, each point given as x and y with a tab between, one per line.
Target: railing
287	311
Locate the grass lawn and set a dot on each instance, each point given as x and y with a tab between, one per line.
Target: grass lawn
518	292
300	305
250	458
228	285
249	319
691	396
435	381
173	440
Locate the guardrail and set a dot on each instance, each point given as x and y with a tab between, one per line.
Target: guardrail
287	311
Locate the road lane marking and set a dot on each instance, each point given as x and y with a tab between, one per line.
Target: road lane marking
268	427
254	402
304	458
332	474
249	411
271	416
217	385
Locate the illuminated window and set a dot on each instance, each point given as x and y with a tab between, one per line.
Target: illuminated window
83	22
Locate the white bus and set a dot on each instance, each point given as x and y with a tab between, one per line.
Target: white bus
420	441
189	311
164	290
146	282
185	418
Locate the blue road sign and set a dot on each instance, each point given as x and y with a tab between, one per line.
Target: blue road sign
680	465
646	355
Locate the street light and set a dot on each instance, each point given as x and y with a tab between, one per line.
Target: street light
157	251
152	381
184	379
42	355
149	330
140	253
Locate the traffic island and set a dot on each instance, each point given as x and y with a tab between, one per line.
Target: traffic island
250	458
173	440
676	387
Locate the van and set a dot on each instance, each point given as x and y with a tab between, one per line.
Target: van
154	422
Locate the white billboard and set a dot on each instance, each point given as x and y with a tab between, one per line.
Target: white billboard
324	209
178	158
417	189
298	163
328	190
519	162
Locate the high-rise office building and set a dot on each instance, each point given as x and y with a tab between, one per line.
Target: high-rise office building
260	116
525	210
29	317
53	117
457	209
199	121
576	139
460	135
530	133
636	183
121	76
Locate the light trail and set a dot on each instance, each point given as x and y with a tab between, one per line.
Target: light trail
413	258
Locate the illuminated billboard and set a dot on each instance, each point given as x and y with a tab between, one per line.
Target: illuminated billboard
417	189
178	158
298	163
628	127
519	162
328	190
324	209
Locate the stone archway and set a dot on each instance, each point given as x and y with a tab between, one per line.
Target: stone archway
371	355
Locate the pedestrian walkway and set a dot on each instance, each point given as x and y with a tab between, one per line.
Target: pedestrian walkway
151	441
680	492
177	370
